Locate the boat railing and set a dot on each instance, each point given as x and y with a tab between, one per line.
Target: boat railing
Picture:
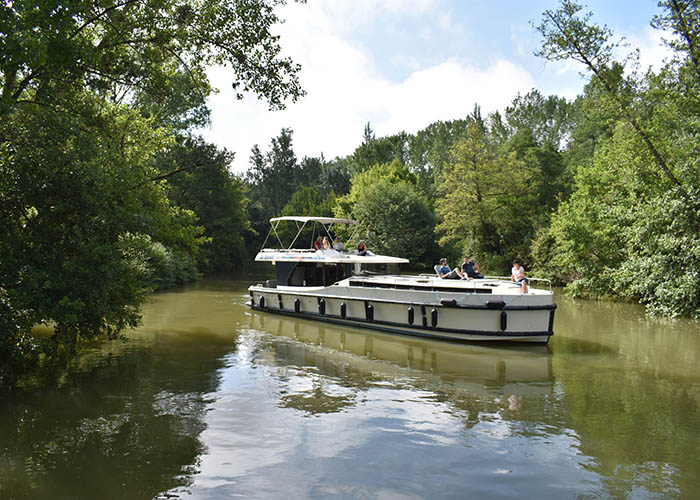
507	278
288	250
499	278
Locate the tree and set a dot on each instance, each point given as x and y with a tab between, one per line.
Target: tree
393	172
78	213
398	217
567	36
429	151
629	229
489	198
307	201
272	180
118	48
90	95
548	119
207	187
383	150
396	220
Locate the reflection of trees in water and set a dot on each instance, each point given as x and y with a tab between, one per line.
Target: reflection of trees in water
326	369
127	427
642	428
632	394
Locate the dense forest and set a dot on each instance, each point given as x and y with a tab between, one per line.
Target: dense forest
107	192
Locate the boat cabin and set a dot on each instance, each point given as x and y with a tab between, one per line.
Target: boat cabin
306	267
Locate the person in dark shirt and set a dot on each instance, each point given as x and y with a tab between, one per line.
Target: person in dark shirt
450	274
471	269
362	249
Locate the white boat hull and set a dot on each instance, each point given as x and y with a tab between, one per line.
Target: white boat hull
445	315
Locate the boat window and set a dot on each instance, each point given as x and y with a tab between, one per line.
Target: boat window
313	274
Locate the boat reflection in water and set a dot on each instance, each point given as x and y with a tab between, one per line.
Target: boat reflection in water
361	358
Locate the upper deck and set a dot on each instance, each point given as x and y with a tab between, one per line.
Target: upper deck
324	257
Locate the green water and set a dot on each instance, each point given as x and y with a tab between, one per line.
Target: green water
210	400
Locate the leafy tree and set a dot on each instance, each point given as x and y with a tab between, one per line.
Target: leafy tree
307	201
383	150
489	198
396	220
399	217
272	180
630	227
568	36
548	119
90	95
393	172
205	185
140	46
429	151
74	205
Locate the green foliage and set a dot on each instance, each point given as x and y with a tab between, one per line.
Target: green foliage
663	266
393	172
142	47
547	119
429	152
630	228
90	95
308	201
69	195
396	220
204	185
489	200
386	201
383	150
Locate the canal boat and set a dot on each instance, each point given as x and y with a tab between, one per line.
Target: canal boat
343	287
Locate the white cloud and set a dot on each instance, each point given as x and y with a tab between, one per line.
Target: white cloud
346	88
652	50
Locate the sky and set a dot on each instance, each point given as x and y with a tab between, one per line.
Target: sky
403	64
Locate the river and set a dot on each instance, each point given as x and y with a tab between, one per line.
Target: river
208	400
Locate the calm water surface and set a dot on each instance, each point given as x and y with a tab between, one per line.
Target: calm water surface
210	400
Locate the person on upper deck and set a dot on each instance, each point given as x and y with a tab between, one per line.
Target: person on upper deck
338	245
318	243
326	243
362	249
449	274
517	275
471	269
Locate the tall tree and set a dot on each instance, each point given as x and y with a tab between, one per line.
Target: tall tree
206	186
566	35
630	228
489	198
90	94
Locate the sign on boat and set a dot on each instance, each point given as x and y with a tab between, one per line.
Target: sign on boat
339	287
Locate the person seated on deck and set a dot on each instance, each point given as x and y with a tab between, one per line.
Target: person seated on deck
338	245
326	243
517	275
318	243
471	269
449	274
362	249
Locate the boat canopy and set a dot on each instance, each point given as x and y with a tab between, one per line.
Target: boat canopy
331	256
322	220
301	222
